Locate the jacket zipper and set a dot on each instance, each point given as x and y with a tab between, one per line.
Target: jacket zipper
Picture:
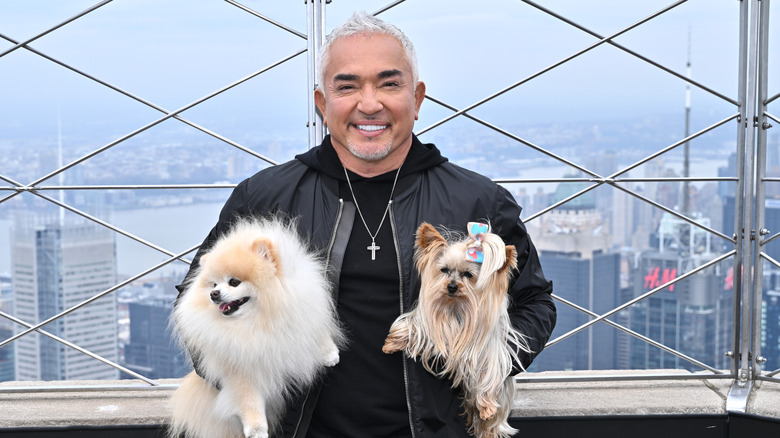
401	309
333	234
327	264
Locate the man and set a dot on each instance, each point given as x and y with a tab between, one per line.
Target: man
361	195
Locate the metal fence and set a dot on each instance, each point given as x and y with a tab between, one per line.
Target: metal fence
749	116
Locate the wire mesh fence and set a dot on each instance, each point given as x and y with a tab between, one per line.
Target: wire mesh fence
638	213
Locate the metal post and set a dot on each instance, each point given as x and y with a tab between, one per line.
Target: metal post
761	137
739	192
748	281
315	20
744	308
686	196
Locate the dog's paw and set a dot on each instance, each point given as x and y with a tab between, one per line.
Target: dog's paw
331	359
255	432
390	347
487	412
398	337
393	344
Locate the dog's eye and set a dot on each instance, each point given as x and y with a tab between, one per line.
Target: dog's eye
233	282
467	274
445	270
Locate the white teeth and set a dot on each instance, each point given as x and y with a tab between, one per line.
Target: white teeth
371	127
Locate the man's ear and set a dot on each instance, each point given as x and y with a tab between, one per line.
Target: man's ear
319	100
419	96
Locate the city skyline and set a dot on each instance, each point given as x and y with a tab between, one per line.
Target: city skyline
171	163
603	110
546	244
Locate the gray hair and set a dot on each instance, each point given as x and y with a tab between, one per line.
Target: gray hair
362	23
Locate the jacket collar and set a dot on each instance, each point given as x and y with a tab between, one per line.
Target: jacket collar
323	158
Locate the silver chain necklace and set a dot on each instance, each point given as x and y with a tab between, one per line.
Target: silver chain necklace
373	248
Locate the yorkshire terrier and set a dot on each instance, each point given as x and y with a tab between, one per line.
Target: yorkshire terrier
460	327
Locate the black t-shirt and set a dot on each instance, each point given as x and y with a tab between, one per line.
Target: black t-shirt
364	395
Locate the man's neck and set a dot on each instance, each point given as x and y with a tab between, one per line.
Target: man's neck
370	169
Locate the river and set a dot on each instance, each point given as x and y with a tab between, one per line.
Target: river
175	229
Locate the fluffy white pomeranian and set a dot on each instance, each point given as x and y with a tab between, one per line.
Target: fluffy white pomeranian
259	319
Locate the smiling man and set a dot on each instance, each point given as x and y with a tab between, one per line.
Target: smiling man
369	98
360	197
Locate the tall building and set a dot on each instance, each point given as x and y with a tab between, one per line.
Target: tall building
56	265
151	350
771	222
573	247
770	330
692	316
592	283
7	372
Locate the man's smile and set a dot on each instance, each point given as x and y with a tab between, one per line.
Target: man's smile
371	127
370	130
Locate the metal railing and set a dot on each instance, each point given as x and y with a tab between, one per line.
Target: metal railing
751	114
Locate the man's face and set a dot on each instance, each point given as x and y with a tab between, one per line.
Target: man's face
368	99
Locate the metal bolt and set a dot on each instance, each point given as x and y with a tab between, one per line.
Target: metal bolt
764	231
766	125
730	354
761	359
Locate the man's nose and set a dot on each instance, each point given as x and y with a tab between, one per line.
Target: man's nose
370	102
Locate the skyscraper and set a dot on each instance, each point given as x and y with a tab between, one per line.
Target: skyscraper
692	316
574	244
56	265
152	350
6	330
770	329
592	283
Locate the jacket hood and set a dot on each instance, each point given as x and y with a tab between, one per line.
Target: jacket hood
323	158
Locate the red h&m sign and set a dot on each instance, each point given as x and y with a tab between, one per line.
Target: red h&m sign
655	277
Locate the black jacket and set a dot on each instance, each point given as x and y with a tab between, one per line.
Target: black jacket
440	193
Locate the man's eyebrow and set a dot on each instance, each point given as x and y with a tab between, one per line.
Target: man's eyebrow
348	77
345	77
389	74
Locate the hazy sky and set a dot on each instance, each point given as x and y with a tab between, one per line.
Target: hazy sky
172	52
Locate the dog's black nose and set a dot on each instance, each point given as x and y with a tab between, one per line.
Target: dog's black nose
452	288
214	295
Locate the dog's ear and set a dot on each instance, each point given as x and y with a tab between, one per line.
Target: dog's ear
263	247
428	238
511	259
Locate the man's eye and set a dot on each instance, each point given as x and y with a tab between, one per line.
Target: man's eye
233	282
391	84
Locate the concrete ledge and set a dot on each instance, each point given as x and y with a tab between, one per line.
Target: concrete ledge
630	397
84	403
129	402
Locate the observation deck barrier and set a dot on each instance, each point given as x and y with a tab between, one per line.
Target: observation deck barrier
738	398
